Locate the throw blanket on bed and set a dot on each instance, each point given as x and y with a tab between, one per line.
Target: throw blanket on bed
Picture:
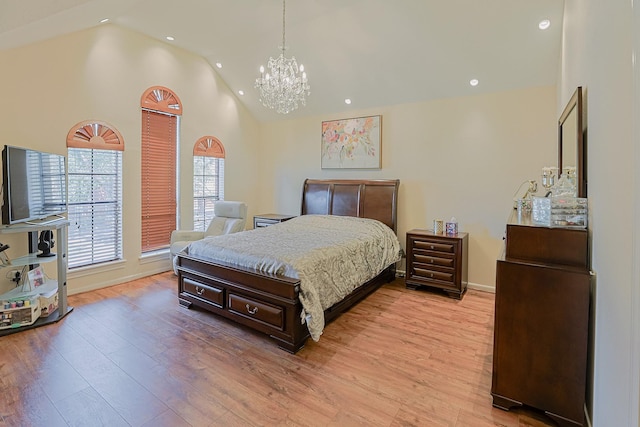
331	255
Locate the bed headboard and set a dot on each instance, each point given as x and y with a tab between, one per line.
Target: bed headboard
377	199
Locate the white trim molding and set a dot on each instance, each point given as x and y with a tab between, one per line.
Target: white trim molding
634	404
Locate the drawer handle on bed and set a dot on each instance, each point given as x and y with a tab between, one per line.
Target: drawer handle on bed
199	290
252	311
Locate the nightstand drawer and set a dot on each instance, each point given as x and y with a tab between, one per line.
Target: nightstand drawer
435	246
420	273
257	223
432	260
265	220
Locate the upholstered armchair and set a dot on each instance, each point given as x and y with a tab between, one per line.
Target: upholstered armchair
229	217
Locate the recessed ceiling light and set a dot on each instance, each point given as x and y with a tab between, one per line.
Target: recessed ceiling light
170	38
240	92
102	21
544	24
474	82
219	64
347	101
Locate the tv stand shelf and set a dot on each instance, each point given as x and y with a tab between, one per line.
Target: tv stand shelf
30	260
60	257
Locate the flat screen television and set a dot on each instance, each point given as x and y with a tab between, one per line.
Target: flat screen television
34	185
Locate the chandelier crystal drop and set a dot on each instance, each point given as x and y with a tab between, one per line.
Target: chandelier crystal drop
284	85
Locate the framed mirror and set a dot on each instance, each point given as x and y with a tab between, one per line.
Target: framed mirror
571	142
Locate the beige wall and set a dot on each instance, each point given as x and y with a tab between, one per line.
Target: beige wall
462	157
597	54
101	74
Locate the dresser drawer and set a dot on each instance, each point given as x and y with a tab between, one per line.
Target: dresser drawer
447	247
248	307
206	293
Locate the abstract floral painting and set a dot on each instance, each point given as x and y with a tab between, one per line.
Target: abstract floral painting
351	143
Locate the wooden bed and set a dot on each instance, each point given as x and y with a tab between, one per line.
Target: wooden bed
269	303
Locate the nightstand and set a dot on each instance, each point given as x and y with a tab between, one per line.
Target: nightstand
265	220
437	260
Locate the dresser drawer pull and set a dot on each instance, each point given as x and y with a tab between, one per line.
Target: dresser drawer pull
199	290
250	310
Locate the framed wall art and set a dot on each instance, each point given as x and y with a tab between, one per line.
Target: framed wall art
352	143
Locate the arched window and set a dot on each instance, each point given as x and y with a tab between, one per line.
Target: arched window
95	193
161	110
208	179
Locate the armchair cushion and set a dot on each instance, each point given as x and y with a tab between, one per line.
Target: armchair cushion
181	238
229	217
221	225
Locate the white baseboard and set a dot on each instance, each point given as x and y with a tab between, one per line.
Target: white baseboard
480	287
118	281
586	416
470	285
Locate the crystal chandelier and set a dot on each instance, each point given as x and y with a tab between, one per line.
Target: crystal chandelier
285	83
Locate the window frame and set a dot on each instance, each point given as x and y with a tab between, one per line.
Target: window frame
96	139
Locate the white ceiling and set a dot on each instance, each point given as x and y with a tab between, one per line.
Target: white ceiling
376	52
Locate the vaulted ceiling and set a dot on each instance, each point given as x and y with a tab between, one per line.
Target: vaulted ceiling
375	52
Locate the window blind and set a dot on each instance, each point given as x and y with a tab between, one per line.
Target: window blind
95	206
208	187
158	179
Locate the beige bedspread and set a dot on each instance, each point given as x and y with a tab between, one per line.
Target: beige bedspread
331	255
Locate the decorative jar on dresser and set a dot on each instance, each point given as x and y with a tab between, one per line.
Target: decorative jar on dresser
437	260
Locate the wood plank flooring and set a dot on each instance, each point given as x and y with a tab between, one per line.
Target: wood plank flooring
129	355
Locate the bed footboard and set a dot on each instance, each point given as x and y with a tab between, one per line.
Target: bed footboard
265	302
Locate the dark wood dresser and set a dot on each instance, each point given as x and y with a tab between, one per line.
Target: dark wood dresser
542	320
437	260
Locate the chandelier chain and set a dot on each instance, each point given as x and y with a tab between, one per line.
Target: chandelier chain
284	46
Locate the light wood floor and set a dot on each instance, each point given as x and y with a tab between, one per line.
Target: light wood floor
130	355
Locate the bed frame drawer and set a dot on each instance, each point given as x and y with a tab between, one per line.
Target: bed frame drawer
200	291
247	307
